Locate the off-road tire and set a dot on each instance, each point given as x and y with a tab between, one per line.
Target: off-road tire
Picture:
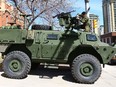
91	61
11	65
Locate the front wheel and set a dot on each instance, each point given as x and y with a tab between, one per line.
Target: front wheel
16	65
86	68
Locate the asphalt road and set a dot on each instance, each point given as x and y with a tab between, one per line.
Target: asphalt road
43	77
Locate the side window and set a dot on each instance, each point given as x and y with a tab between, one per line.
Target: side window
91	37
52	37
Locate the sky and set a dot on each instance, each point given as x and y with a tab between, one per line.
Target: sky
95	8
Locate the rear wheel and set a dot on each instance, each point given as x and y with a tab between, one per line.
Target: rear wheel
86	68
16	65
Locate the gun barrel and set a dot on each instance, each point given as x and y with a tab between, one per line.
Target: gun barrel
70	12
63	13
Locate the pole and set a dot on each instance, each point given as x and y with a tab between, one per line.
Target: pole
87	6
25	19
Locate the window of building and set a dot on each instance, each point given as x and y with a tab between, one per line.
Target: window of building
115	13
102	40
114	4
107	40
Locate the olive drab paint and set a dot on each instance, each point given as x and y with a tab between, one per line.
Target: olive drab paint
43	44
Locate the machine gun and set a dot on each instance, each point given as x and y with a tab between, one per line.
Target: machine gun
64	19
62	14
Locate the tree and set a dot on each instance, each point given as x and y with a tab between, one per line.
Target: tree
44	9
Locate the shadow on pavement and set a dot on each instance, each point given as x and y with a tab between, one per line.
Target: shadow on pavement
1	70
112	63
5	76
1	67
49	73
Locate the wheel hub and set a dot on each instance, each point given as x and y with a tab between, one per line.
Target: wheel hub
15	65
86	69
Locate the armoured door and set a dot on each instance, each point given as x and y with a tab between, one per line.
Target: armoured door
49	45
57	45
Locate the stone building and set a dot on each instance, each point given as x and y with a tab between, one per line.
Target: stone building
109	14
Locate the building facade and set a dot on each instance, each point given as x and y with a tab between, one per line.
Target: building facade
101	29
94	23
109	16
8	14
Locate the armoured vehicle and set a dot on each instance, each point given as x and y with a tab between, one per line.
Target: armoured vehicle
83	51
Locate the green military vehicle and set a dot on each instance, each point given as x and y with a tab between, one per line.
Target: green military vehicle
83	51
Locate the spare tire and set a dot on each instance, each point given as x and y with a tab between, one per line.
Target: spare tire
41	27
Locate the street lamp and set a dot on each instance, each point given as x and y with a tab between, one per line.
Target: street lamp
87	6
87	1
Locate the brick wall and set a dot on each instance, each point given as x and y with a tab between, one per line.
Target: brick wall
6	16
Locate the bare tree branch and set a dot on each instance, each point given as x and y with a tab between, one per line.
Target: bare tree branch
40	8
